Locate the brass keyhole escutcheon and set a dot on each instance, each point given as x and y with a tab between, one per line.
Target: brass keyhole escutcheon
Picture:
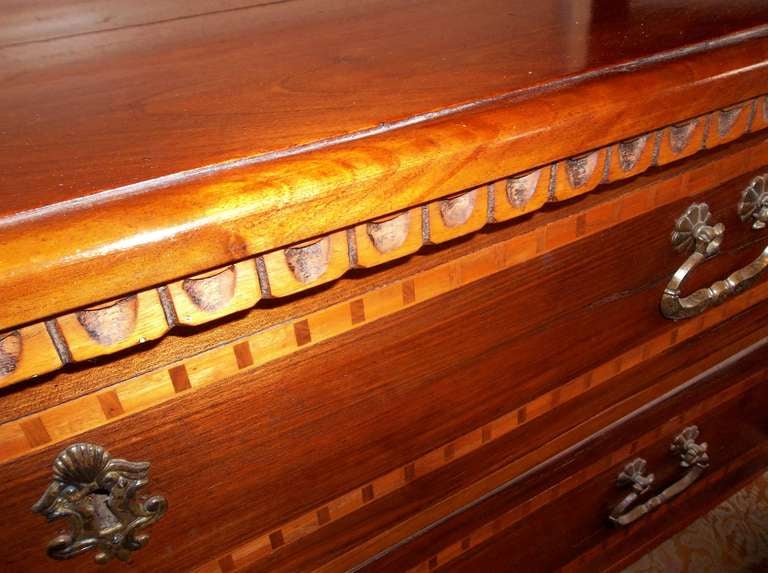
99	495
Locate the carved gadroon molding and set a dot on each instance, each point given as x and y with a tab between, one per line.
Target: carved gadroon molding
116	325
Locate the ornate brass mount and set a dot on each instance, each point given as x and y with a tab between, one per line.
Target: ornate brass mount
98	495
693	456
754	203
693	231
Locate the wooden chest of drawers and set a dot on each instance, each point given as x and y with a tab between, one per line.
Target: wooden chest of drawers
378	286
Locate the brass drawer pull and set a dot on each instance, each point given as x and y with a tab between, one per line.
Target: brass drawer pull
694	231
98	495
693	457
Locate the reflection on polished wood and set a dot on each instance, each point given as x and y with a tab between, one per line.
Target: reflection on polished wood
344	68
375	284
136	319
282	112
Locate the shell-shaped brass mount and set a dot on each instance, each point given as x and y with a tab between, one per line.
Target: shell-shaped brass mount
98	495
754	203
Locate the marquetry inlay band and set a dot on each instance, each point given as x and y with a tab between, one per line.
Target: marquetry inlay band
41	348
514	516
472	441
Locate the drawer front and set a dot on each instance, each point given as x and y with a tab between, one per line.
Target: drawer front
575	514
326	457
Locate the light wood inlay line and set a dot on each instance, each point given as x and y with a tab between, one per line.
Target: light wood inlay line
507	520
475	439
137	318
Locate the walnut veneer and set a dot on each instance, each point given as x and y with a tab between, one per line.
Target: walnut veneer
376	286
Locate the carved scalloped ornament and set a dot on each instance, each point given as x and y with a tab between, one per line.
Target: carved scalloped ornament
115	326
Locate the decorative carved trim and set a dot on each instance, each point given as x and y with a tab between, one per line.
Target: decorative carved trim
390	234
309	262
212	292
10	351
521	188
456	211
111	323
680	134
122	324
630	151
580	169
19	437
726	118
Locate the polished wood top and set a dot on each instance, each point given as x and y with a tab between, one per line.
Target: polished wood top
98	95
142	144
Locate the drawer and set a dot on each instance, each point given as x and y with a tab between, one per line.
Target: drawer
504	350
557	517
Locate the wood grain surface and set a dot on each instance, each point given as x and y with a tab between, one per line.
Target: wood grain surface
371	508
374	285
318	411
282	74
106	205
731	425
136	319
708	168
